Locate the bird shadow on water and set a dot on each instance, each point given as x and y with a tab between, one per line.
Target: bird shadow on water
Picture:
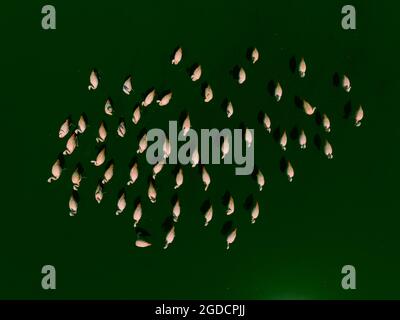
227	228
142	132
109	163
317	141
225	198
255	172
151	180
163	93
298	102
133	160
120	192
80	169
276	134
182	116
292	64
98	73
136	201
100	183
199	169
242	126
260	117
97	149
141	232
145	93
248	203
249	53
234	72
335	79
175	170
294	133
76	196
105	125
224	104
203	87
121	120
205	206
191	69
347	110
69	118
318	118
283	164
61	158
168	223
174	199
271	88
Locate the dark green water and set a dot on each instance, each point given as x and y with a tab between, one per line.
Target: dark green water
336	212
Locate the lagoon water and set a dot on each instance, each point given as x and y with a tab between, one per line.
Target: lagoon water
334	213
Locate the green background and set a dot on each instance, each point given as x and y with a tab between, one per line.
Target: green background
338	212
